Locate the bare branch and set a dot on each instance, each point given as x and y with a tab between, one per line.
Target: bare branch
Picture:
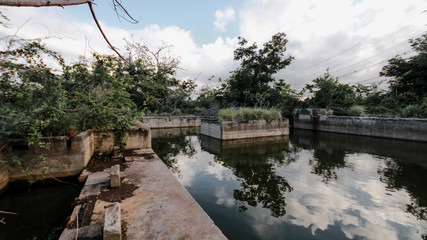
2	221
42	3
102	32
11	213
119	4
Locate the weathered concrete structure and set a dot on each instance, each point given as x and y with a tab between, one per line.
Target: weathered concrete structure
138	137
170	132
154	205
68	156
249	147
399	150
396	128
172	121
4	177
112	222
240	130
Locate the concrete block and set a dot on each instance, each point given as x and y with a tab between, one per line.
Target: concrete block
115	176
83	176
4	177
112	225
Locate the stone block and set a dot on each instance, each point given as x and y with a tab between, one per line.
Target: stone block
112	225
115	176
4	177
83	176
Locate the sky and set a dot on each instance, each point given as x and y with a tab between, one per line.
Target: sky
352	38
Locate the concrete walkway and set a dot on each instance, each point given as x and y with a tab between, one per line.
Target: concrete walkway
154	205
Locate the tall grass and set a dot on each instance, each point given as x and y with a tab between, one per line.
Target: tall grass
248	114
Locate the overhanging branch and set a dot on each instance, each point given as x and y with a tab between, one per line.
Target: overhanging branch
102	32
42	3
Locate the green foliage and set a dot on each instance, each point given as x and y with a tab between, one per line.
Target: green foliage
409	75
227	114
327	92
356	110
248	114
38	101
154	87
249	85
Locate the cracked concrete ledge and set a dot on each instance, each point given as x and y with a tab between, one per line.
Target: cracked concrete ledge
158	206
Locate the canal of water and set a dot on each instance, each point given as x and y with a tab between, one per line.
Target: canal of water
41	211
306	186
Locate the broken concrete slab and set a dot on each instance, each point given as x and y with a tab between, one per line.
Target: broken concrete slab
112	222
83	176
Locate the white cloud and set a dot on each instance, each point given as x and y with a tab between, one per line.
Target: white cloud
73	39
353	38
349	37
224	17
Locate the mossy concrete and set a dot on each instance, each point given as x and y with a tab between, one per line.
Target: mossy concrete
68	156
137	137
172	121
395	128
244	129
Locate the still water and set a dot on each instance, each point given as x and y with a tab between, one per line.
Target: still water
306	186
41	212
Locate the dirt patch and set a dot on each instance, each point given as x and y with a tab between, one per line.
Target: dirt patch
118	194
146	156
85	212
99	162
124	230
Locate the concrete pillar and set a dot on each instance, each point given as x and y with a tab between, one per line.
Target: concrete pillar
4	177
112	225
115	176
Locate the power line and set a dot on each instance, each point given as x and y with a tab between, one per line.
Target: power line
338	57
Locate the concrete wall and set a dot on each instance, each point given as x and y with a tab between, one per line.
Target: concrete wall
172	121
66	156
241	130
395	128
174	132
211	128
138	137
4	177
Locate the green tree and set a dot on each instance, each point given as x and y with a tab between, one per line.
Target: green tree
154	86
327	92
249	85
38	101
409	75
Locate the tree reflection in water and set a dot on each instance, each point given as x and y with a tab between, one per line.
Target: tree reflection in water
254	162
171	144
402	162
326	162
401	175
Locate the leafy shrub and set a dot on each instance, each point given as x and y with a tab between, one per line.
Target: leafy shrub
356	110
248	114
227	114
37	101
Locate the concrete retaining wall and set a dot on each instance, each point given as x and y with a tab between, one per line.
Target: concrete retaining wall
68	156
395	128
138	137
4	177
172	121
241	130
